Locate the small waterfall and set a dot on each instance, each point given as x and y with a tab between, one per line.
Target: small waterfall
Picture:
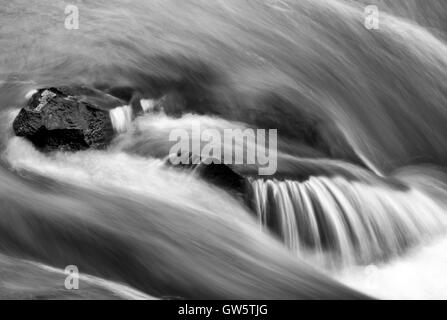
349	222
147	105
121	118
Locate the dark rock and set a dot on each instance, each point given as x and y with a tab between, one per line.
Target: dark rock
219	174
101	100
172	103
67	119
124	93
222	175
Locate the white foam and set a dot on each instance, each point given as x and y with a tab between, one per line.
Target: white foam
30	93
147	104
418	275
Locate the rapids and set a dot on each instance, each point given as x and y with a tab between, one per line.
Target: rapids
362	151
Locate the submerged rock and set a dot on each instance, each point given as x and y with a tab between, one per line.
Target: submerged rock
222	175
218	174
67	119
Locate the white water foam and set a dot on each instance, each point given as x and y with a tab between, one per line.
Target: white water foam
147	104
30	93
418	275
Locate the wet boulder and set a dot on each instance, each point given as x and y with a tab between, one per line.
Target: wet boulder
216	173
222	175
67	119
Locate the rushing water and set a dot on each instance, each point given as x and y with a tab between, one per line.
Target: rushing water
360	188
353	221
